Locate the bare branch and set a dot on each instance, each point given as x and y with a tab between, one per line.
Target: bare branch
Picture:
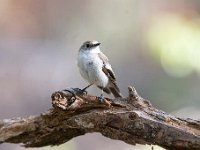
133	120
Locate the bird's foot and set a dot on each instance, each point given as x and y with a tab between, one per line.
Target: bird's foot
71	90
73	97
75	91
101	98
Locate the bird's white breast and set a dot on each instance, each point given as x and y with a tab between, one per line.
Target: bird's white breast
90	67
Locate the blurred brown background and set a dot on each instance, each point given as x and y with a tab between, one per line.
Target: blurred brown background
153	45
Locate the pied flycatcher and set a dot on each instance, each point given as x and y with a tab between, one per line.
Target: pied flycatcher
94	67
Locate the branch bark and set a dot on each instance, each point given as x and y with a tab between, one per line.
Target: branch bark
133	120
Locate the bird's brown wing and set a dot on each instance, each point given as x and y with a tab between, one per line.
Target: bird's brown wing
110	74
107	70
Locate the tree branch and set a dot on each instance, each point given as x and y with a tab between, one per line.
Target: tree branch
133	120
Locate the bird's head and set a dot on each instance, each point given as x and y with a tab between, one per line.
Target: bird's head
89	45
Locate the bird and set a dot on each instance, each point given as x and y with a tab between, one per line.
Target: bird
95	68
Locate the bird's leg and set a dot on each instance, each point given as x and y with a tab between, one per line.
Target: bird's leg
101	97
84	89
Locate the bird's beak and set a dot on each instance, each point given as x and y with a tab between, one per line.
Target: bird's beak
96	44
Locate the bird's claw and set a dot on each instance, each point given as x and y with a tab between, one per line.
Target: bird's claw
72	91
75	91
101	98
84	91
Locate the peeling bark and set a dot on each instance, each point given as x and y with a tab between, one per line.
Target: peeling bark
133	120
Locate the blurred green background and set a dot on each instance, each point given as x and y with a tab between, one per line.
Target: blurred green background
153	45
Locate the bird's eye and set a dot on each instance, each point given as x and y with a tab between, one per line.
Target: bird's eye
87	45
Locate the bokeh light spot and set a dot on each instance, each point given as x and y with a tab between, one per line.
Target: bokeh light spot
175	42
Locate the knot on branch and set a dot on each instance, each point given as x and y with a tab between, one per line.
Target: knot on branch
133	93
61	100
136	100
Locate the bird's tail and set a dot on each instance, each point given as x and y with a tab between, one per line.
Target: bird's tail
113	88
116	92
